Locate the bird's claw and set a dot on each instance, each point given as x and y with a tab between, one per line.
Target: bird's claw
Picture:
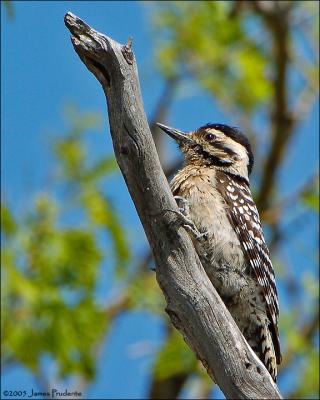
184	214
183	205
200	237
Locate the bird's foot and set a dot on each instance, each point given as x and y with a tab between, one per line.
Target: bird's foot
183	205
188	224
200	237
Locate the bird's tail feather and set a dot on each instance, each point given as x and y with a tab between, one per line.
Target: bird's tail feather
265	350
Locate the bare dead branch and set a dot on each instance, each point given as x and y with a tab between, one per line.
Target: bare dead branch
193	304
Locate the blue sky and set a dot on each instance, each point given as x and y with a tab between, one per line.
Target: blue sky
40	74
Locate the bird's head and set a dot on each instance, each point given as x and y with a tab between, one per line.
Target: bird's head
215	145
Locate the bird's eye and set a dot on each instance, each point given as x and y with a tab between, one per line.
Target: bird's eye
209	137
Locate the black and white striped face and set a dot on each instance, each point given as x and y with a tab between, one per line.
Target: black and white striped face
215	144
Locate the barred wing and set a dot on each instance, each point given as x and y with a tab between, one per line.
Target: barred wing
244	217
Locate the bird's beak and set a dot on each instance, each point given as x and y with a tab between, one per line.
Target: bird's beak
179	136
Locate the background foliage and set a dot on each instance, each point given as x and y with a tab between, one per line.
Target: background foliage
250	58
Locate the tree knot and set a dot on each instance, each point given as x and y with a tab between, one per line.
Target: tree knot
127	52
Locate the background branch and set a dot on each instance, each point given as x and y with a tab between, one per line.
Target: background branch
276	17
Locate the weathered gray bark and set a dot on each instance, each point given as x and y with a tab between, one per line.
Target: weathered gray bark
193	304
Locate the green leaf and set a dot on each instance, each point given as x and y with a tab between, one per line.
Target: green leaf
310	197
217	51
51	268
9	7
8	224
101	213
308	378
101	168
175	357
72	156
144	293
81	121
